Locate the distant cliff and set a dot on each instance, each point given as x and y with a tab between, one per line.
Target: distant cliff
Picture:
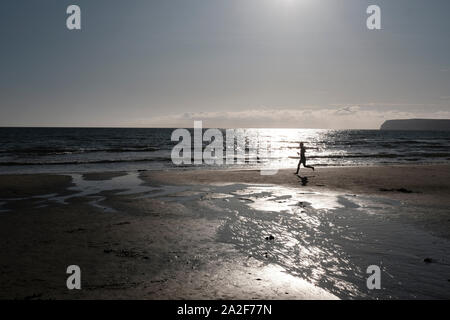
417	124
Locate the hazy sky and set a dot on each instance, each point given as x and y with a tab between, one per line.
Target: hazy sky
230	63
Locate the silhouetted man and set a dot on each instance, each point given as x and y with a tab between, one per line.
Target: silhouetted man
302	158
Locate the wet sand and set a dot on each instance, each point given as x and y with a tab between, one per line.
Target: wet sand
14	186
205	234
425	183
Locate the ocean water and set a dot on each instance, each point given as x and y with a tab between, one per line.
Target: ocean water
33	150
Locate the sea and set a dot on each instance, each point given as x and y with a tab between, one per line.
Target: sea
64	150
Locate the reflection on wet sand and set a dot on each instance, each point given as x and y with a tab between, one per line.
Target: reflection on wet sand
304	237
330	239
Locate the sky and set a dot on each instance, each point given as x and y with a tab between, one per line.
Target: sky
229	63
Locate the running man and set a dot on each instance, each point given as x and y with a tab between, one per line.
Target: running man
302	158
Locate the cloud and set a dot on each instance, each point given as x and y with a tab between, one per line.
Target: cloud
347	117
345	111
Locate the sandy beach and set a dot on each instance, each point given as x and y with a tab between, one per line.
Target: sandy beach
421	182
227	234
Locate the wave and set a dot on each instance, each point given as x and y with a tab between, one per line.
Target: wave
62	151
18	163
379	155
247	159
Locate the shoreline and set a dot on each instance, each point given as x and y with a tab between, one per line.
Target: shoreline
424	186
411	183
107	169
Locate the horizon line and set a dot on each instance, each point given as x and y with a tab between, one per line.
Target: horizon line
154	127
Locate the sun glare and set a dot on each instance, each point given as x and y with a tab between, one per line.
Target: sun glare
289	3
